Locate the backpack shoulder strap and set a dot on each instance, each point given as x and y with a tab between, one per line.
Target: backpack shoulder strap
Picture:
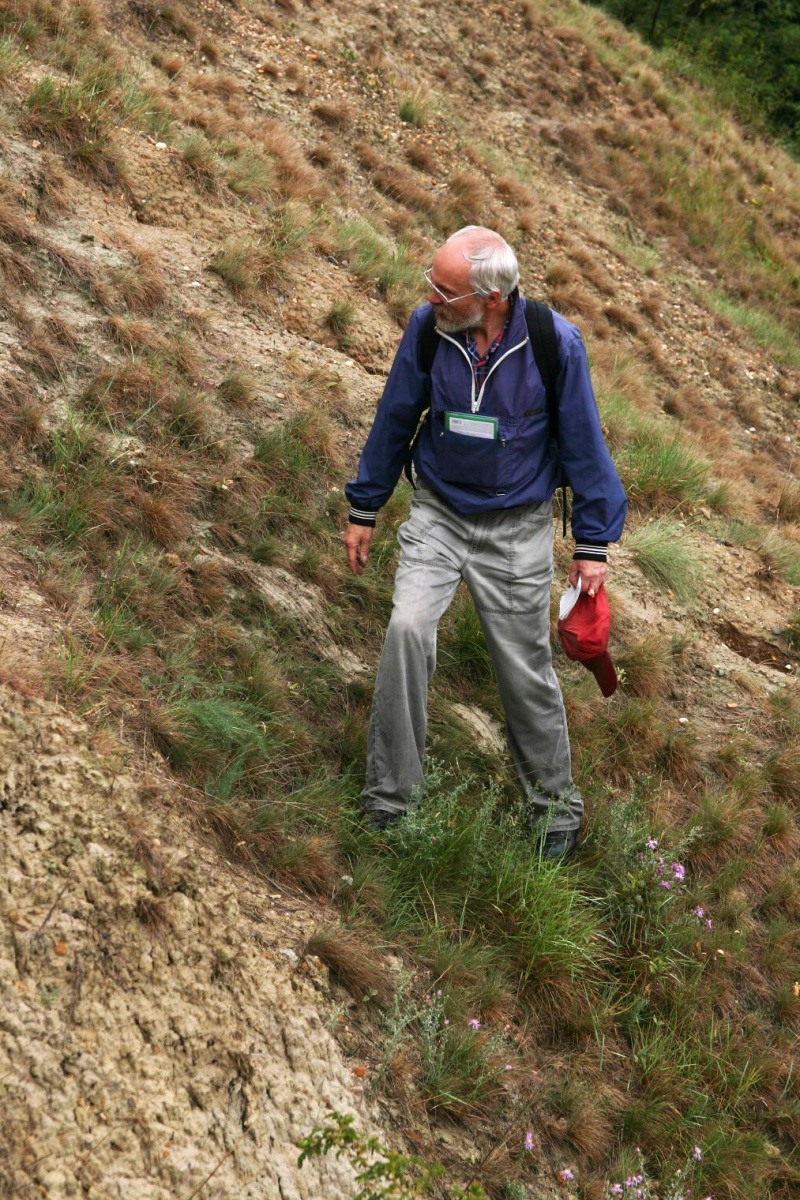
428	345
542	332
428	342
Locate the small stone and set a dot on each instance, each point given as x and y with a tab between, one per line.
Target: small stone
776	630
195	283
289	955
161	145
715	612
683	720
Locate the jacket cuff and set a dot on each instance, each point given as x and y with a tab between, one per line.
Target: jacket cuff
591	551
361	516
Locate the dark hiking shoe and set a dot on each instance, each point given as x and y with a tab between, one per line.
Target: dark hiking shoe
380	820
559	845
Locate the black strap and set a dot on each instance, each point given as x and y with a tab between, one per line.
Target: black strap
428	345
542	332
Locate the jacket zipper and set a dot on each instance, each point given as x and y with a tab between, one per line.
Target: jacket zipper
475	401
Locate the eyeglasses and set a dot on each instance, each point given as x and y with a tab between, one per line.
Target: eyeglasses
445	299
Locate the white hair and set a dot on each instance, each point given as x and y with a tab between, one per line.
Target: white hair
493	264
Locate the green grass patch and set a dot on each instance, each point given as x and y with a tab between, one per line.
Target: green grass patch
414	109
373	258
664	554
660	472
765	329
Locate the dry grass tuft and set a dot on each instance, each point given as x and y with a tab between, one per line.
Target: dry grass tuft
338	116
644	666
128	391
423	157
142	286
163	517
15	228
592	271
515	192
652	305
789	501
322	155
395	181
210	50
293	174
223	85
350	962
21	416
153	912
573	300
237	388
60	331
15	269
170	64
157	17
468	202
577	1119
135	334
783	771
623	318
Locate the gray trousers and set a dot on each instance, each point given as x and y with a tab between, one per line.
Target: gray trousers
505	557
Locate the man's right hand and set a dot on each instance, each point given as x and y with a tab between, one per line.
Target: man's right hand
357	540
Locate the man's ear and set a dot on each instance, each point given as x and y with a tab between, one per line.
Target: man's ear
493	299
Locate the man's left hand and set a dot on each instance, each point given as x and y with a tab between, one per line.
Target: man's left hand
593	574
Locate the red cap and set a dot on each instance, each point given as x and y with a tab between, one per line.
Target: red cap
604	672
584	636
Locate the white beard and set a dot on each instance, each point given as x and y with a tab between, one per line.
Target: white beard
458	324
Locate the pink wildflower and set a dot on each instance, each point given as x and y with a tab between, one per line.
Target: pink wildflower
474	1023
529	1142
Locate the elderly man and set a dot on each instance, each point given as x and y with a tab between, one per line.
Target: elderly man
488	458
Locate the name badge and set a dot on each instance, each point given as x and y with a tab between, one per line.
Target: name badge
471	426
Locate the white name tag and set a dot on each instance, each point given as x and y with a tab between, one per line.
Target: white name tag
478	427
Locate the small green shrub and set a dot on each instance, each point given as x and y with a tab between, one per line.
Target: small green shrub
339	319
664	554
659	473
414	109
397	1176
249	265
237	388
373	258
251	176
458	1072
78	118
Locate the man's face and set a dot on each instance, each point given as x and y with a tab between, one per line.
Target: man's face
455	305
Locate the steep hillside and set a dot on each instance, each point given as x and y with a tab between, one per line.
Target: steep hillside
213	218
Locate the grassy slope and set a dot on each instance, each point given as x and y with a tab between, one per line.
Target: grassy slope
169	450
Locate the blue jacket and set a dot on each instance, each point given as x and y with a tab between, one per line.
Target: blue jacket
522	465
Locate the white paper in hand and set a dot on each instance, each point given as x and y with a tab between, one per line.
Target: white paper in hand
569	600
